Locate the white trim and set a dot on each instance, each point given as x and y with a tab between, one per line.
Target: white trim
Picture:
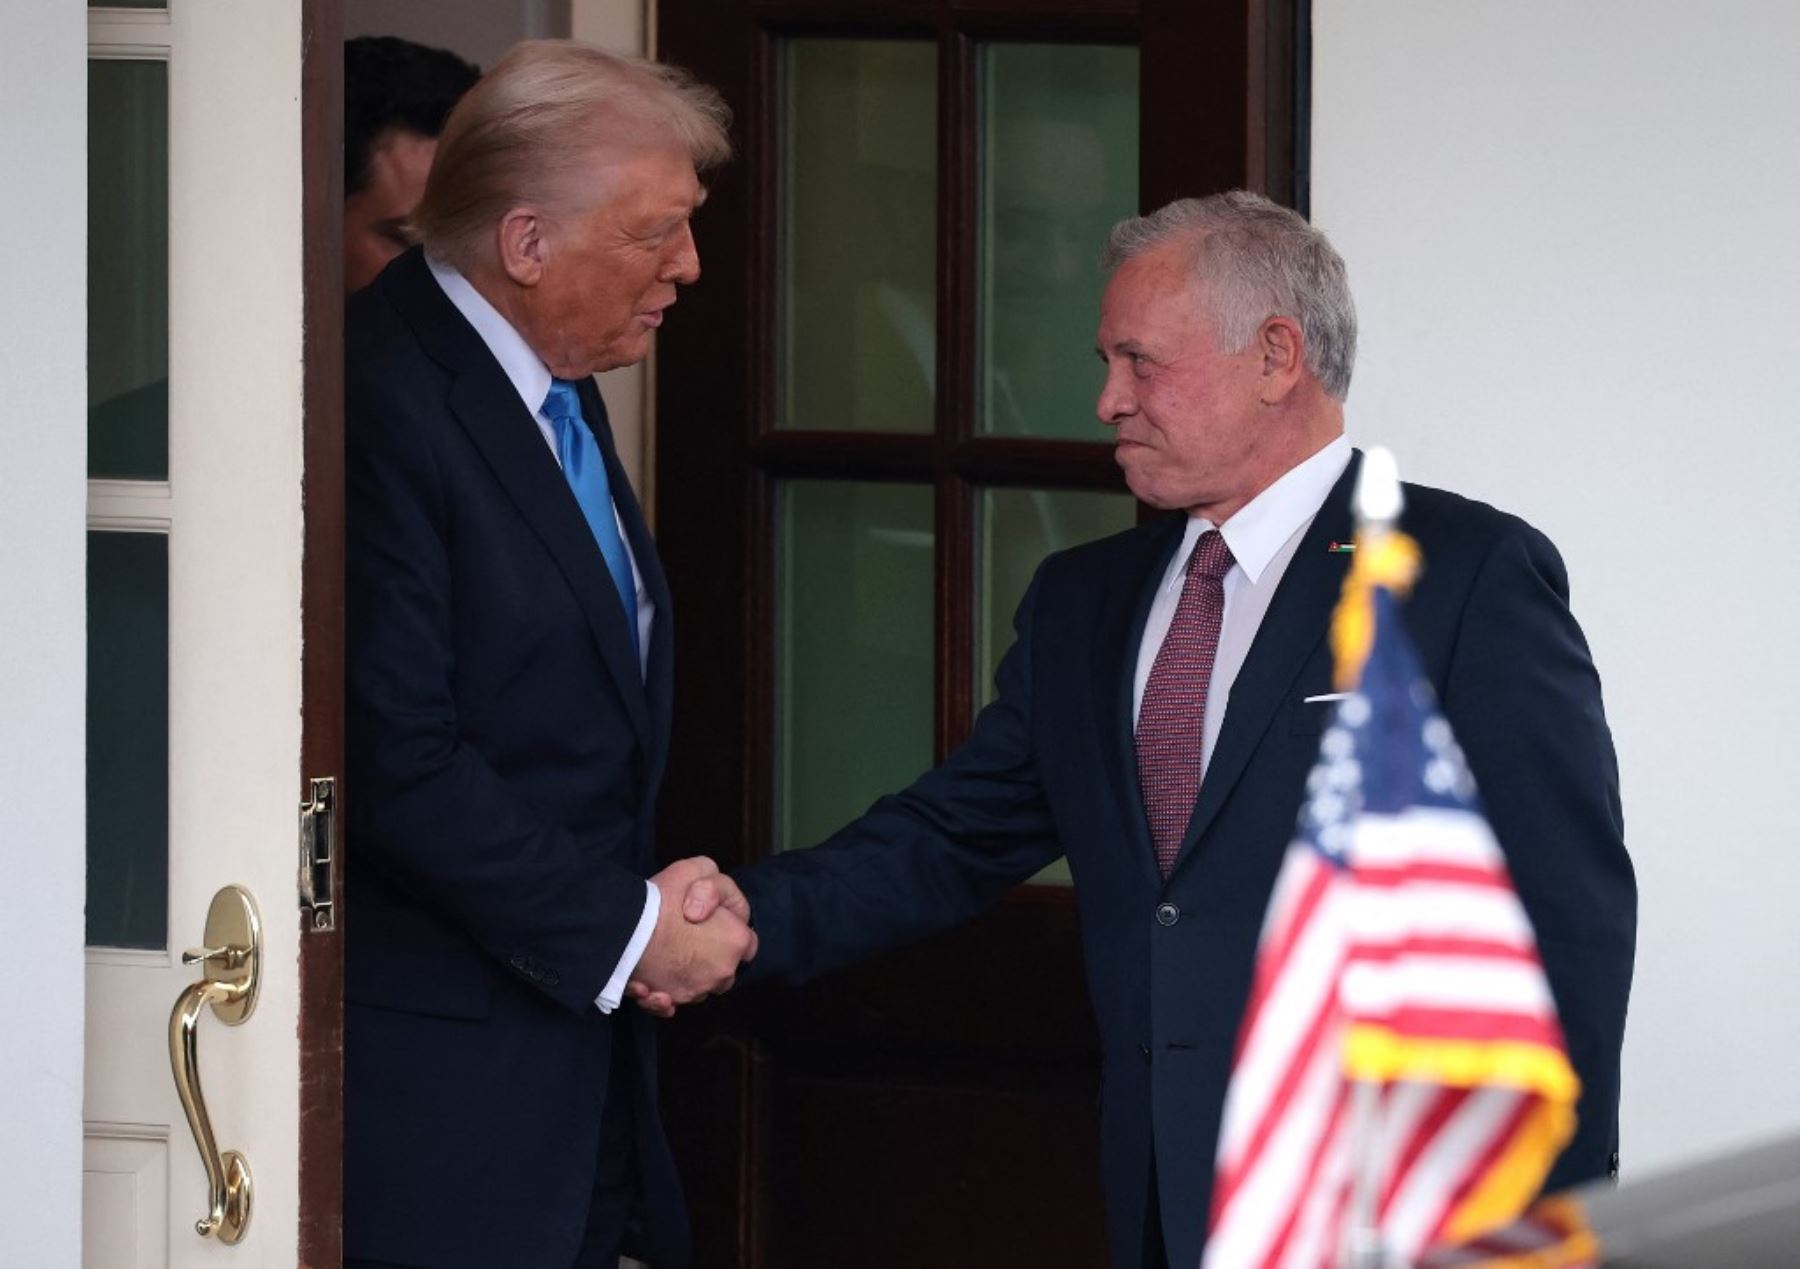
104	17
127	33
115	52
130	506
124	1132
135	957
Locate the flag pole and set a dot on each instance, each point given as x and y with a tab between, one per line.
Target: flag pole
1363	1247
1378	505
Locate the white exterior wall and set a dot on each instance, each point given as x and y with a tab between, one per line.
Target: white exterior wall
1570	230
43	640
480	30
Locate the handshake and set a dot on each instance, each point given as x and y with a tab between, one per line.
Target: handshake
702	935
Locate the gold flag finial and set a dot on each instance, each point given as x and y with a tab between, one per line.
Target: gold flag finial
1383	557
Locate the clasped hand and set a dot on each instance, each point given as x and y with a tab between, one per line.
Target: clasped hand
702	935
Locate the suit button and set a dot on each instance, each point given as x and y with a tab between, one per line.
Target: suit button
1167	914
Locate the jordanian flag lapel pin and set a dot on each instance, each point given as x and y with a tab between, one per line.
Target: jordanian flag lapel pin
1341	548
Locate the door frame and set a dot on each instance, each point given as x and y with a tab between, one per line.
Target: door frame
1223	106
321	1090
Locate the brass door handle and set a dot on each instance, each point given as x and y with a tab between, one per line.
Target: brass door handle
231	961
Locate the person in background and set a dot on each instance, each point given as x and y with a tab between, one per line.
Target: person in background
397	95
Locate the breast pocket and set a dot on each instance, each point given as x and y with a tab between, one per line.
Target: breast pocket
412	983
1310	714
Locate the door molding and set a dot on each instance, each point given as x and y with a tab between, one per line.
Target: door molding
322	617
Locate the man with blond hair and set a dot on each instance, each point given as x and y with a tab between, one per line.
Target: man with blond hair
509	687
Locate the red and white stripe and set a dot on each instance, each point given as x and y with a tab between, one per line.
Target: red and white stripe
1425	936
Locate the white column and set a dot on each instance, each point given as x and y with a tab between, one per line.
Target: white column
43	616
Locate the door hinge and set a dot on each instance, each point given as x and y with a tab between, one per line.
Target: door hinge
318	854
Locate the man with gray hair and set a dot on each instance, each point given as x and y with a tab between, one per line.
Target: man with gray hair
1161	707
509	686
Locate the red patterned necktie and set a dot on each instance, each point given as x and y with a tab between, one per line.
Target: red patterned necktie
1172	718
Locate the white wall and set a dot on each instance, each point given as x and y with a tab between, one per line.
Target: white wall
43	509
1571	230
480	30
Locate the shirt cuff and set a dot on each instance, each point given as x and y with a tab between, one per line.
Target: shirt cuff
614	991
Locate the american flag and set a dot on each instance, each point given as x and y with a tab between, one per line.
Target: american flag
1554	1234
1401	1080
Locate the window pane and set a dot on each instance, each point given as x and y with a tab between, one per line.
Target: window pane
858	235
1059	166
127	4
1019	527
854	656
128	740
128	269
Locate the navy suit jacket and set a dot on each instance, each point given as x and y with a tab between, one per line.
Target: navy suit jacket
505	753
1050	769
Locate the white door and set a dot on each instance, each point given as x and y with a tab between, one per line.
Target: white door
194	584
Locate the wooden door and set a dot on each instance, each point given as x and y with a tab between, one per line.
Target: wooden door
875	415
215	644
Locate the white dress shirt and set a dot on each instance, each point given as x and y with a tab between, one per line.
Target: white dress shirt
531	378
1263	537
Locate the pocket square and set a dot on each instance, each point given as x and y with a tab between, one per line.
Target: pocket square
1327	696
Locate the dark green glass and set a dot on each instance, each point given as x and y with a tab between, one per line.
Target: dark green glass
128	740
128	269
858	257
854	640
1019	527
1059	166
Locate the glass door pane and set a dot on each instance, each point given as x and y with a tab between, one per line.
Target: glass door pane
1018	528
128	740
1059	166
858	235
854	640
128	269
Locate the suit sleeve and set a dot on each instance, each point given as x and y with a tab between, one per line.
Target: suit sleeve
1524	698
433	815
921	860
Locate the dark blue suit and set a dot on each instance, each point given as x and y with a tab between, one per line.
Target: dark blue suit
505	754
1050	769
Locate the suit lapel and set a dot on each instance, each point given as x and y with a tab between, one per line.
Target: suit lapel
507	436
1297	619
1129	590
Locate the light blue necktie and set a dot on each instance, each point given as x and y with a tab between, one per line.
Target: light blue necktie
584	468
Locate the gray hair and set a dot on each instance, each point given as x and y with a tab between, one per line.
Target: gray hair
526	132
1255	259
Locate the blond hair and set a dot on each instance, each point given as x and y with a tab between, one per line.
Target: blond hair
532	124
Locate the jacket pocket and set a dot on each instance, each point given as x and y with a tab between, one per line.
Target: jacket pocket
409	983
1309	717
